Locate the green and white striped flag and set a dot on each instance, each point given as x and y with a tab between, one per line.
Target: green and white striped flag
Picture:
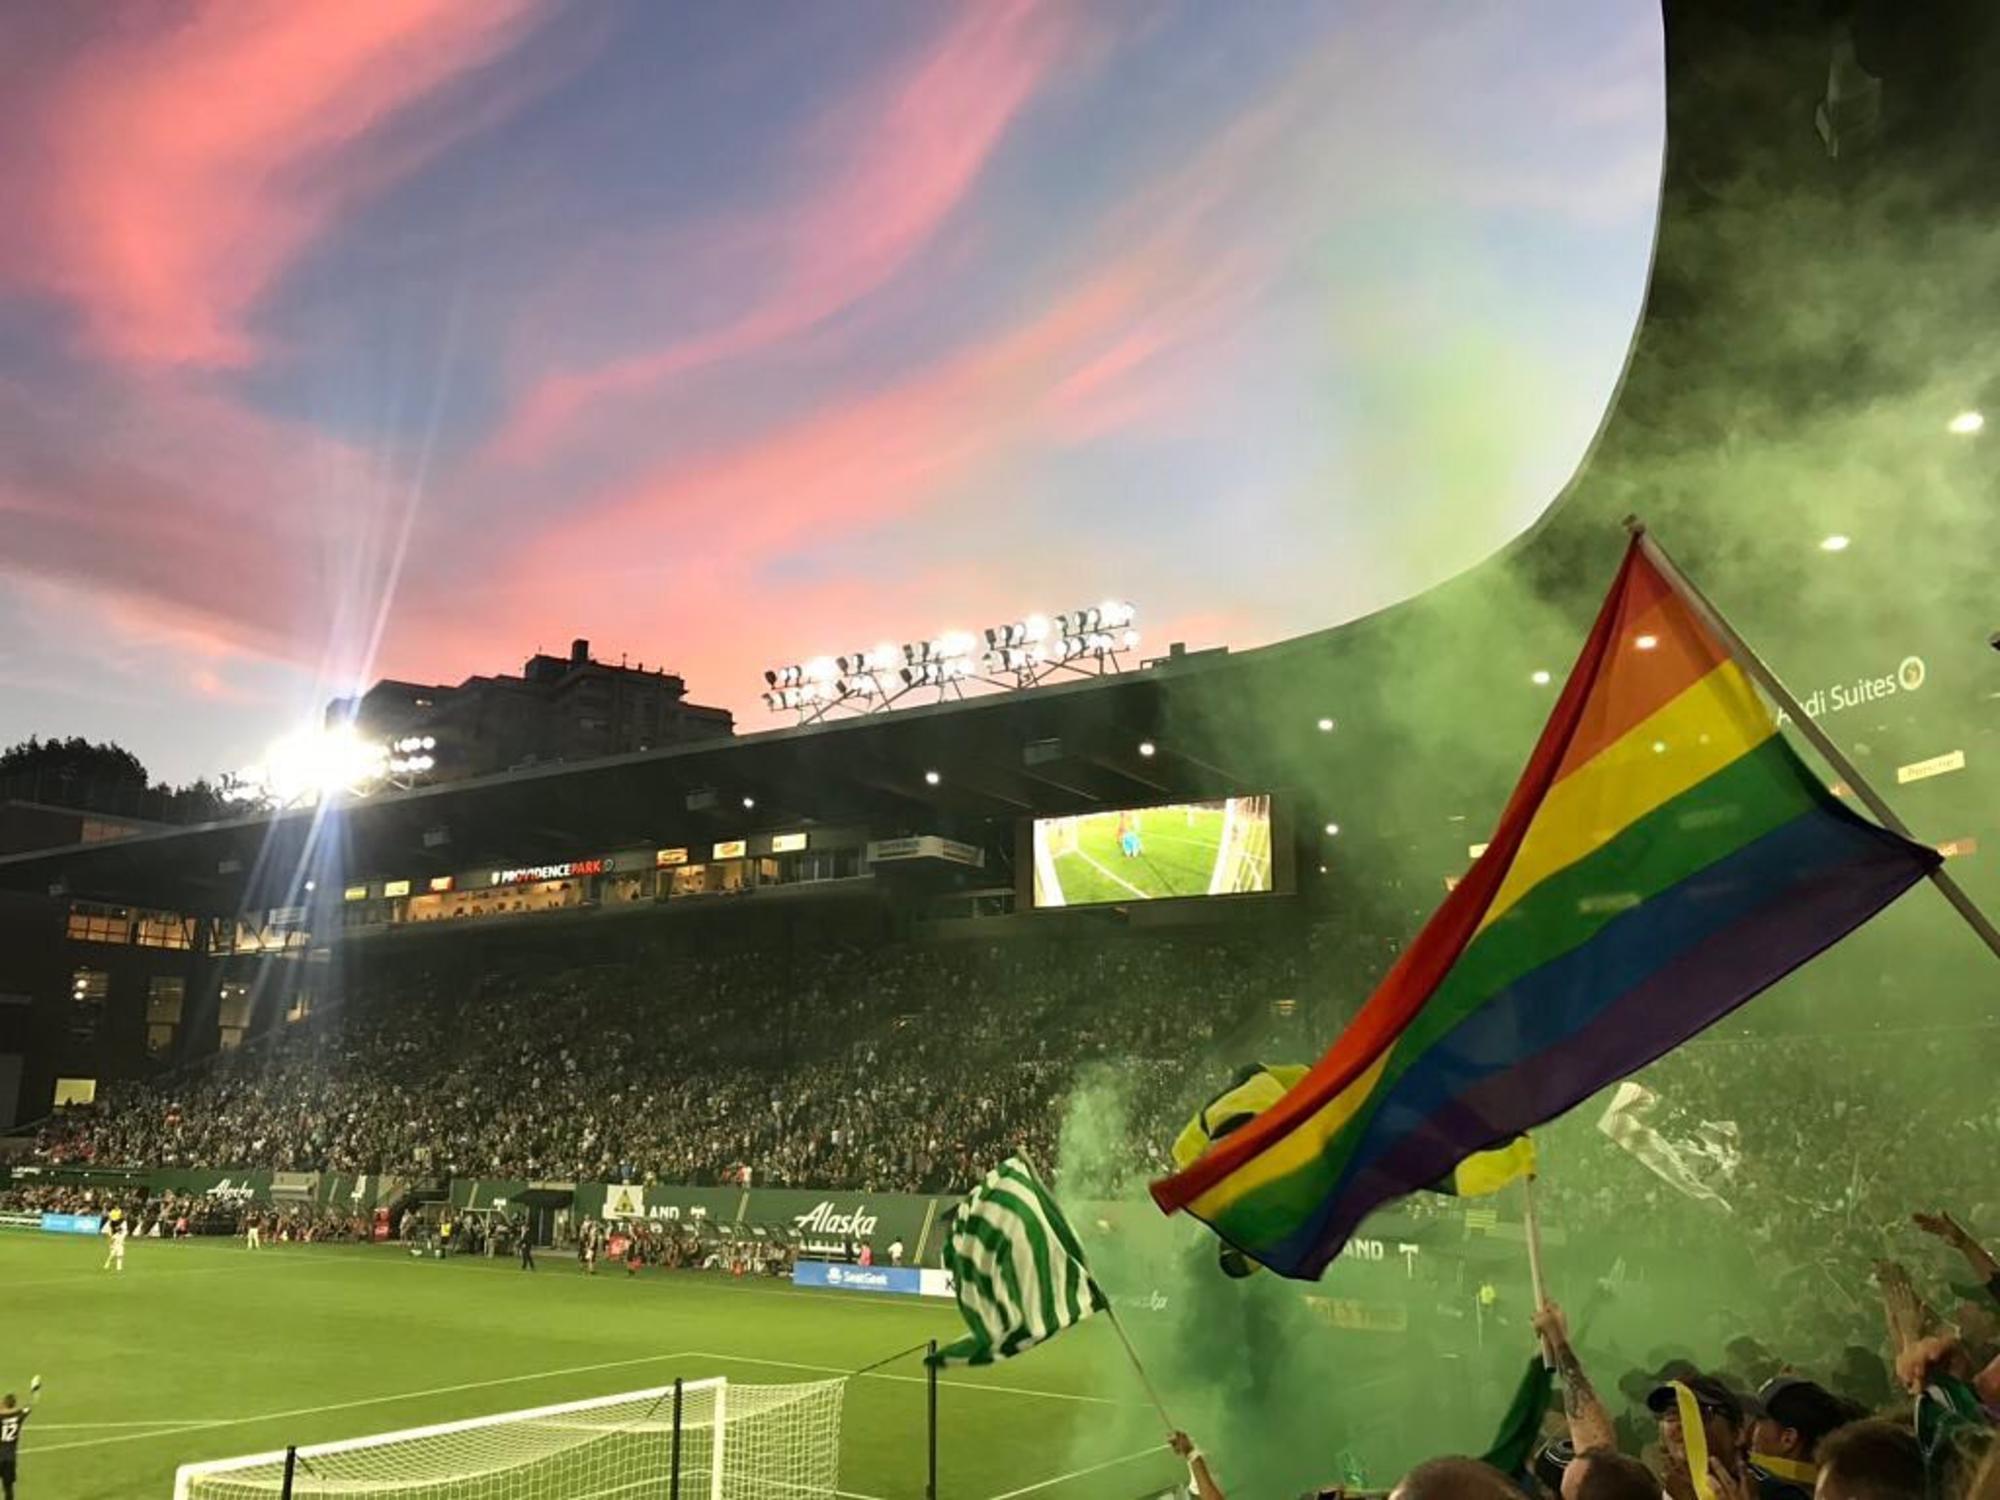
1016	1267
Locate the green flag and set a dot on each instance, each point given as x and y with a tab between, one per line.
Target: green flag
1521	1429
1016	1268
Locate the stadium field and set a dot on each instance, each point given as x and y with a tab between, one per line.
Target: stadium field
1175	854
204	1350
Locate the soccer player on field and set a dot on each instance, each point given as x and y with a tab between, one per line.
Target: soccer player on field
116	1228
12	1418
252	1232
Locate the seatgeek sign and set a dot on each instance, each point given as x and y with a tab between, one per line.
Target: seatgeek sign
894	1281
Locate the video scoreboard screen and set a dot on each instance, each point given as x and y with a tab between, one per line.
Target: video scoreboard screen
1154	853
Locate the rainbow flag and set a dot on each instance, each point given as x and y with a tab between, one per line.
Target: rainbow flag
1664	857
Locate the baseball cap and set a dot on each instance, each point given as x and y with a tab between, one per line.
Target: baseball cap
1709	1392
1803	1404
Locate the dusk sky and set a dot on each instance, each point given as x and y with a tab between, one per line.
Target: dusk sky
343	339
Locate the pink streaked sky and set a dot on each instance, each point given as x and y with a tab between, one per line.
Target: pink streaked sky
404	337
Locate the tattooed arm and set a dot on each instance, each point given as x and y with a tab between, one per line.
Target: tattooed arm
1589	1422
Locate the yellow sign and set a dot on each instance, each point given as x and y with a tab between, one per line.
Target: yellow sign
787	843
395	887
662	858
355	893
730	849
1937	765
440	882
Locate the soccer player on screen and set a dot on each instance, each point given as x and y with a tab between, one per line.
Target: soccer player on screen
13	1417
116	1228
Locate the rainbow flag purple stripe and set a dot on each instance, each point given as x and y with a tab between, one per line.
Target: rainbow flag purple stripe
1664	857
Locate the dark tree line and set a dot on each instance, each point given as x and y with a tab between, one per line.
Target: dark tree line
102	778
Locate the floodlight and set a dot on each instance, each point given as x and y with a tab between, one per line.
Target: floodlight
1146	748
1540	679
1966	423
931	778
1646	642
1834	543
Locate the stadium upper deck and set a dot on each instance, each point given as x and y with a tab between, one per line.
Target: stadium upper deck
1793	423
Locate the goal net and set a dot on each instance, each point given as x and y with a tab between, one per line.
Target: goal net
734	1442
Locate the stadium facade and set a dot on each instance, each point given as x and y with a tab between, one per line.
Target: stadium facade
1791	424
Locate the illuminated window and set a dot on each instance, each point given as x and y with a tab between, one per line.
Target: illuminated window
163	929
88	991
75	1091
166	996
232	1014
93	922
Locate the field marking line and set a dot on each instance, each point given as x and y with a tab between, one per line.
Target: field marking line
1114	879
81	1426
385	1400
963	1385
1109	1463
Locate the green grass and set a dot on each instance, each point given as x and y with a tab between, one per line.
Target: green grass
231	1352
1177	857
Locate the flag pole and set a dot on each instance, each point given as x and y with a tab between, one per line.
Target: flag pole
1532	1227
1132	1354
1753	667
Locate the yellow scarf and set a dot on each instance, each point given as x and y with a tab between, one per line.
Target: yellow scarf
1786	1468
1694	1442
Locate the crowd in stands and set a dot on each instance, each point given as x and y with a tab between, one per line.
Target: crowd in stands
1755	1426
914	1067
894	1068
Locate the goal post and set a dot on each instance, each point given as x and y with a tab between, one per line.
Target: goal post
731	1442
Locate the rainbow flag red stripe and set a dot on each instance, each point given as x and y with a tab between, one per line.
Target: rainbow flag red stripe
1664	857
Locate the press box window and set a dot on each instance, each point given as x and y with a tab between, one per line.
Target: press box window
88	991
232	1015
166	997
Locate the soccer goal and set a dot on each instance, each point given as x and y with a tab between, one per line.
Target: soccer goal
697	1440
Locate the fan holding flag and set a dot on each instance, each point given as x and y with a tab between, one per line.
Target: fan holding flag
1018	1272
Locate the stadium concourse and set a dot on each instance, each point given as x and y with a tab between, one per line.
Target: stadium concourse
815	957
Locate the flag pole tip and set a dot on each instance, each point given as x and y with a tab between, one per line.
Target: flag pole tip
1634	525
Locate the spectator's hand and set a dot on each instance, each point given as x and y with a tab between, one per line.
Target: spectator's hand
1731	1486
1916	1361
1551	1326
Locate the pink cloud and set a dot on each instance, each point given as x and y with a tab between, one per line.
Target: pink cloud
889	166
184	159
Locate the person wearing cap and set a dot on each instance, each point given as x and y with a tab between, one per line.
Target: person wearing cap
1724	1424
1787	1421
